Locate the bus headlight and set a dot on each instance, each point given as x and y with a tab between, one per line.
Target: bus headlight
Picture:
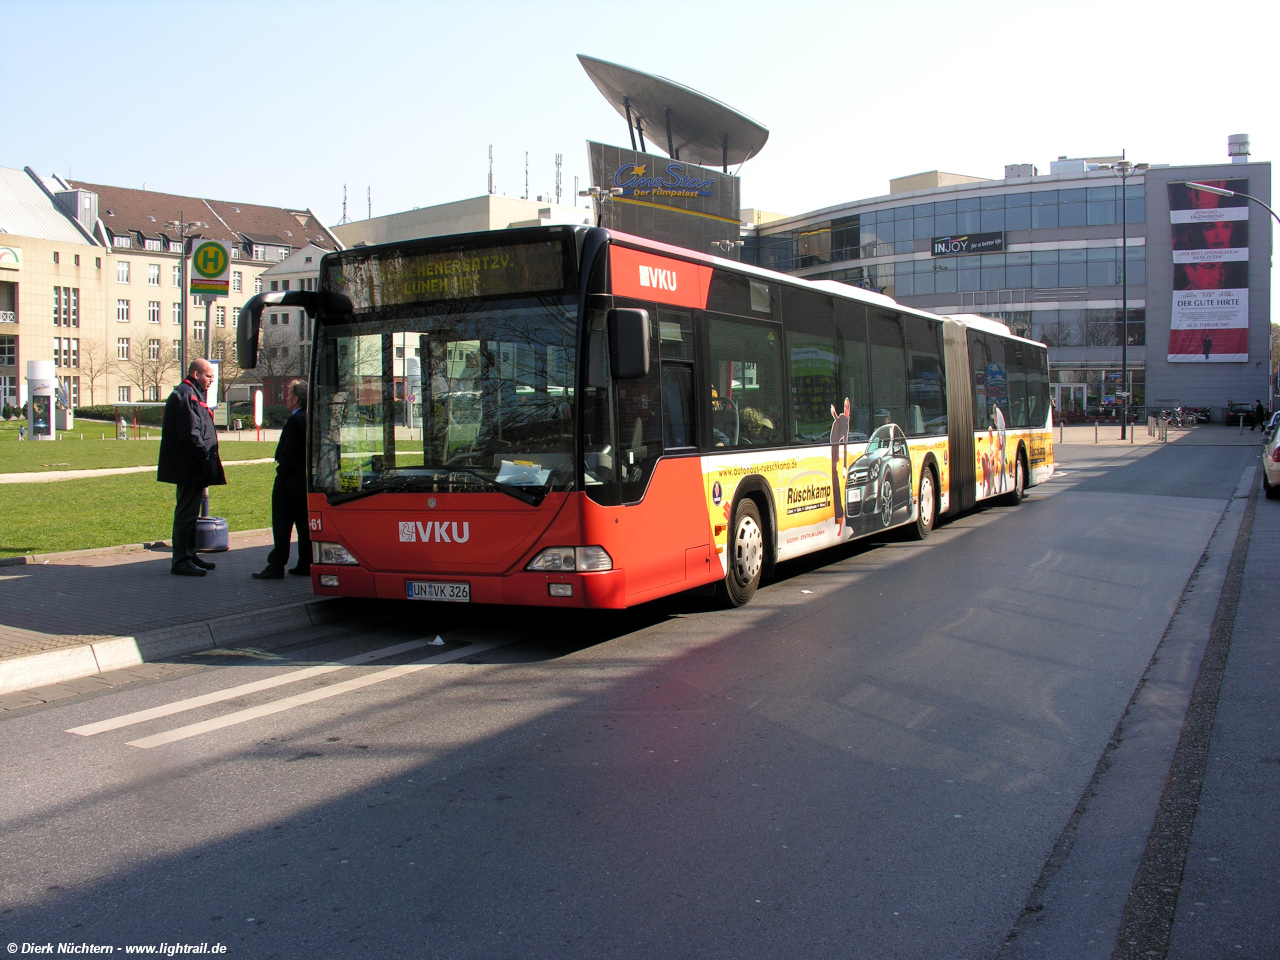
331	553
575	559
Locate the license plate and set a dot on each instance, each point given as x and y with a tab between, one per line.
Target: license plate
428	590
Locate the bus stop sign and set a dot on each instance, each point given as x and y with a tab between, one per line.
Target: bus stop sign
210	269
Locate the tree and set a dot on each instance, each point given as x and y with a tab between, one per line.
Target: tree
96	363
149	369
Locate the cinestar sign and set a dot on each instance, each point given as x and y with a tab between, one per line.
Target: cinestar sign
968	243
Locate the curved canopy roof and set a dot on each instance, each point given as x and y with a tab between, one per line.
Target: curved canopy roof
700	125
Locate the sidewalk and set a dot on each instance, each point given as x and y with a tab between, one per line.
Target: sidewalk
1108	434
75	615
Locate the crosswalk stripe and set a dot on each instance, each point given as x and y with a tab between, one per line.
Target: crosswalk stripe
277	706
192	703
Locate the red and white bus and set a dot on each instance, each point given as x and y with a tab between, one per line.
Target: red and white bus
567	416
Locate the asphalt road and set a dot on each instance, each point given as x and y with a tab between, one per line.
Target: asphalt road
876	758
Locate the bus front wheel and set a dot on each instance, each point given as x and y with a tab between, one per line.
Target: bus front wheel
746	555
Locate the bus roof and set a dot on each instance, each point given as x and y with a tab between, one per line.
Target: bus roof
972	320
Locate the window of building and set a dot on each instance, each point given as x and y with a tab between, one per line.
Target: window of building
97	263
237	281
175	246
257	284
284	284
75	352
153	273
122	311
77	259
151	244
284	318
122	348
198	328
57	306
8	351
75	307
153	393
177	314
282	254
153	349
177	276
9	390
274	319
122	271
275	285
259	252
177	347
8	302
235	253
123	395
153	311
120	241
221	316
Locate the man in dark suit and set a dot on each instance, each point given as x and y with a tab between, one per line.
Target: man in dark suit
189	460
289	493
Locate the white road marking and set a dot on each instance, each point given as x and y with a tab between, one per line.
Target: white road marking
192	703
276	706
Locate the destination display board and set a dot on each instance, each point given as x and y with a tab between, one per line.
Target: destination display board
500	270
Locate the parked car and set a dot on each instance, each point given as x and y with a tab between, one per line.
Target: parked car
879	486
1271	461
1237	411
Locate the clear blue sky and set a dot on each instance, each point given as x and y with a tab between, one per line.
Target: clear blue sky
284	102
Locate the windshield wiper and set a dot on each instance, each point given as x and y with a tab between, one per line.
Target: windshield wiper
507	488
385	485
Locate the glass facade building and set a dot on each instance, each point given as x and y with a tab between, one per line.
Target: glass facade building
1054	273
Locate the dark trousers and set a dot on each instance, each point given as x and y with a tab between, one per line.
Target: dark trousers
289	511
185	513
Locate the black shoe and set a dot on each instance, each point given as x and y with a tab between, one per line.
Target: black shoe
270	573
203	564
186	569
300	571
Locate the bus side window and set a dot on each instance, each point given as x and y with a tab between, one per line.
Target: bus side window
855	382
926	387
1016	355
998	377
745	373
813	364
888	368
675	332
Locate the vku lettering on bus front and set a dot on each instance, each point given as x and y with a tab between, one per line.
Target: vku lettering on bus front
655	277
413	531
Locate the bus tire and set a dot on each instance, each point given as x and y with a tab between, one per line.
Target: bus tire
927	511
745	551
1019	491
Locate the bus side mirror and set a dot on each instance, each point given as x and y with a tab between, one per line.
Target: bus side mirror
249	323
628	343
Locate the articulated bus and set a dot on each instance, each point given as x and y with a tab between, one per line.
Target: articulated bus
569	416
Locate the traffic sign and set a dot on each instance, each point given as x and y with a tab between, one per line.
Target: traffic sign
210	269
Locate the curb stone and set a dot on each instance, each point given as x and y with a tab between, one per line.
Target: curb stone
157	545
99	655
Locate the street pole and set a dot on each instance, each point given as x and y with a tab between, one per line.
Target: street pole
182	314
1124	169
208	306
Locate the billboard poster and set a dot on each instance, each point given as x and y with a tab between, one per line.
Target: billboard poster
1210	317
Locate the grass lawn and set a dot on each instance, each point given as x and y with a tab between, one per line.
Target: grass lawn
69	452
128	508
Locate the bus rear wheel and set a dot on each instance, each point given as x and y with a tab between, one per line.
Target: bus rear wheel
746	555
1019	491
927	510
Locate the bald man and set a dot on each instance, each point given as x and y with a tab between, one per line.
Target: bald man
189	460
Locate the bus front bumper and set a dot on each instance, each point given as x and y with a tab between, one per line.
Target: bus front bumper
602	590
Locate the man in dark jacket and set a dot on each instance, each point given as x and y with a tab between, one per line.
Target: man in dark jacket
289	493
189	459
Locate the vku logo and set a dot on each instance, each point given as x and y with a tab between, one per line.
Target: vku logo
411	531
655	277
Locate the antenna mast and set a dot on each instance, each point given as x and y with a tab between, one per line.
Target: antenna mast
370	189
344	204
526	174
491	169
559	164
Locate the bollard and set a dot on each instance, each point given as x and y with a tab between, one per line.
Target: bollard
1242	426
1062	433
1095	431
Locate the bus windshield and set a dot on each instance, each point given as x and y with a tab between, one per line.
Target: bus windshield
464	397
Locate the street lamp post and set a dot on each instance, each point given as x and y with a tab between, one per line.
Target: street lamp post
1124	170
186	228
1222	192
601	195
